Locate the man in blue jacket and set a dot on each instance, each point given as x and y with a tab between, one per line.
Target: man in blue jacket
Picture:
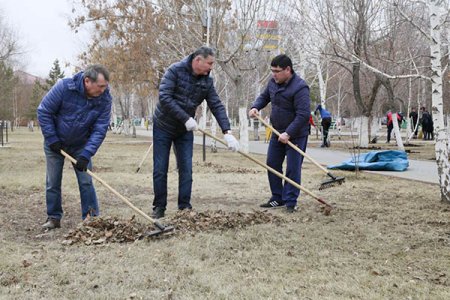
326	123
289	96
183	88
74	116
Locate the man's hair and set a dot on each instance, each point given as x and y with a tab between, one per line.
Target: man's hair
204	52
282	61
92	72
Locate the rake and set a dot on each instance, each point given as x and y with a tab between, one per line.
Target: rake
161	229
144	158
333	181
328	207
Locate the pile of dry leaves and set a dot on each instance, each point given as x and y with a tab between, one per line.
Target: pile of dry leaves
193	221
100	230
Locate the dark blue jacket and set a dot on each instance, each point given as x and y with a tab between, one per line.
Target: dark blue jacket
290	106
180	93
65	114
323	112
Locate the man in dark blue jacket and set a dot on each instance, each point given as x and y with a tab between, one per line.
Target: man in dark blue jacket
289	96
183	88
74	117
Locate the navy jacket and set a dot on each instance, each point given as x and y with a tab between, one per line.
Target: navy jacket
290	106
65	114
180	93
323	112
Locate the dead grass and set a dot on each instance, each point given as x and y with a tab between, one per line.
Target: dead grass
387	239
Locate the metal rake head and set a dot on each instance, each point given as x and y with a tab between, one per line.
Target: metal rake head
331	182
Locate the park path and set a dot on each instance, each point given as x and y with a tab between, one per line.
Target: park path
424	171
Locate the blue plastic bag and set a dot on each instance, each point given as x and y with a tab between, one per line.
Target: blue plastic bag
388	160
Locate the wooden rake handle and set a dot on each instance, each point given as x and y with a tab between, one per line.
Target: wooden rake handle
145	157
270	170
143	214
294	146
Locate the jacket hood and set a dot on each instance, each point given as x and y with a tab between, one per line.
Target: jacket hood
77	82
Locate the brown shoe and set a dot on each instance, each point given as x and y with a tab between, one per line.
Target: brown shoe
51	224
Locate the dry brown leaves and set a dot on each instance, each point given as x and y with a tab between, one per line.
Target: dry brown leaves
193	221
101	230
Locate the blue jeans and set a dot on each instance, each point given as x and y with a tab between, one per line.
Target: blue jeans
275	158
55	164
162	142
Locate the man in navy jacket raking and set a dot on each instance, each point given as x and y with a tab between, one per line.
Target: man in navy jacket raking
183	88
289	96
74	116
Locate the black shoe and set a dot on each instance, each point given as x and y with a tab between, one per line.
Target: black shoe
51	224
322	146
185	208
291	209
273	204
158	212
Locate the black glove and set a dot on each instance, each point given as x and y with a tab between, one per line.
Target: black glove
81	164
56	147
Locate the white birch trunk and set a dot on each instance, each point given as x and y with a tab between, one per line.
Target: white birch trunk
322	85
363	140
396	131
202	121
441	149
375	127
243	130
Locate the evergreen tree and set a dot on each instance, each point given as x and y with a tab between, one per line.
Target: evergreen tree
54	75
7	83
36	97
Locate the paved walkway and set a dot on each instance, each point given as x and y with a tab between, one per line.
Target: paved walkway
425	171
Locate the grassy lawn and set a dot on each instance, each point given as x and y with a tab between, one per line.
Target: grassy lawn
386	239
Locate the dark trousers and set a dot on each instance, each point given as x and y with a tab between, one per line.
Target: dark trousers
326	123
275	157
162	142
389	131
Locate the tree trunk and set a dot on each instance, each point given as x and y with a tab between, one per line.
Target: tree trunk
441	149
398	137
363	140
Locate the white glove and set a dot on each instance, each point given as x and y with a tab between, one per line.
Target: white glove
190	124
232	142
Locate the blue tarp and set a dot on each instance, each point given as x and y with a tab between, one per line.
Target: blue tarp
388	160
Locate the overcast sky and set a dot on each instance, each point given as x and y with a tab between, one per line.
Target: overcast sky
42	30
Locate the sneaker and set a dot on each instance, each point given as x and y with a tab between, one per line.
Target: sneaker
51	224
158	212
291	209
273	204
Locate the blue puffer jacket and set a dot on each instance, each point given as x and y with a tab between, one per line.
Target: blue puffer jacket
67	115
323	112
290	106
180	93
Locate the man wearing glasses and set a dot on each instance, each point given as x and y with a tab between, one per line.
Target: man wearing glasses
289	96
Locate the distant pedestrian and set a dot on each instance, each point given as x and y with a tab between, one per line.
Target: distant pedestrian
427	125
268	130
326	123
414	118
390	125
